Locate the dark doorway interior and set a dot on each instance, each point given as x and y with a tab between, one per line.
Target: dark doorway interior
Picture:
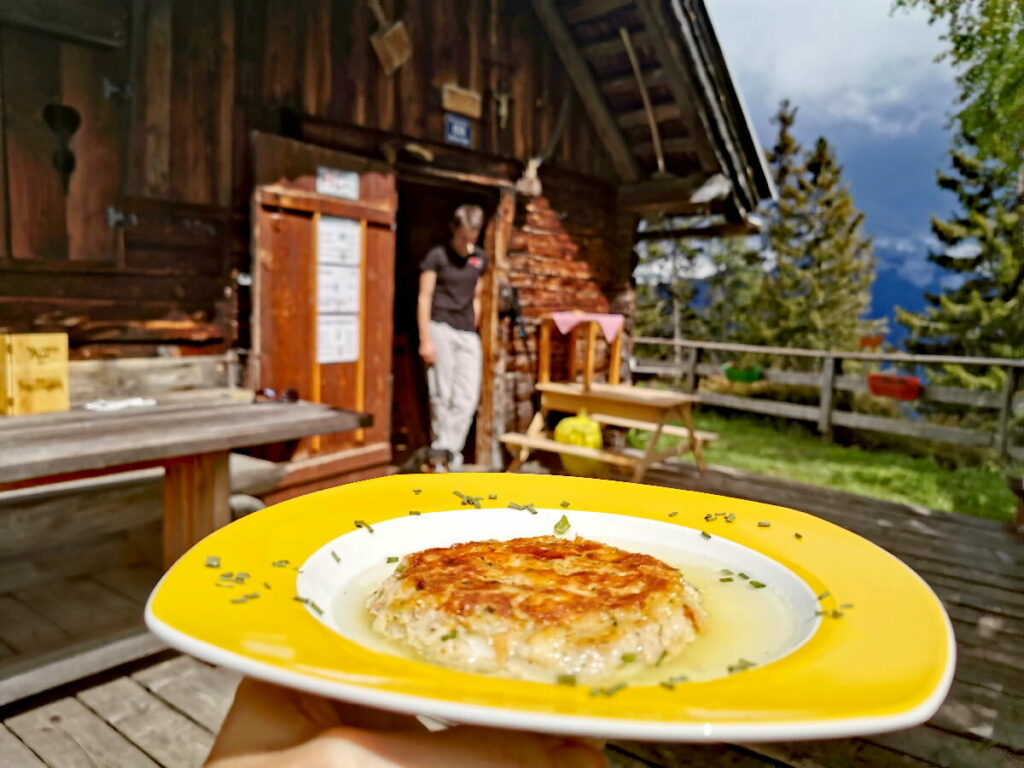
424	210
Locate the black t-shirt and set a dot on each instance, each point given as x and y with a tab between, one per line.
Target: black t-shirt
456	284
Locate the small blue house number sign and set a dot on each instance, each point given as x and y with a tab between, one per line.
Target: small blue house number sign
458	130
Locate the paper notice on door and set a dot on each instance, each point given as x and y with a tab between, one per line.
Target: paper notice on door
337	339
339	241
337	288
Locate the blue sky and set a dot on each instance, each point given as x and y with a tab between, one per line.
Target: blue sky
867	80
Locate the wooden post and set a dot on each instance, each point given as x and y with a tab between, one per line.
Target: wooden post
574	366
196	501
1010	386
828	377
588	362
615	360
544	352
691	370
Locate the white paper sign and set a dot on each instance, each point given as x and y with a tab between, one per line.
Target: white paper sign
337	288
339	241
331	181
337	339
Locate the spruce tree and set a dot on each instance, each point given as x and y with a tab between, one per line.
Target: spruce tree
816	293
980	313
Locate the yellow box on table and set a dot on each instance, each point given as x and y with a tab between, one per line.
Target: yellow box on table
33	373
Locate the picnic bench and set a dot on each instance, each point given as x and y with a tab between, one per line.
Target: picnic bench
88	529
610	404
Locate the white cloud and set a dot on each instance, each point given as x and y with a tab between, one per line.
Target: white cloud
840	61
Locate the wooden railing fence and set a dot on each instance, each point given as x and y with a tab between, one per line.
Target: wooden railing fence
690	361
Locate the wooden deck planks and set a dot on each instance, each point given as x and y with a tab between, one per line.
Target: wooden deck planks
80	606
134	582
26	630
14	754
65	734
166	735
202	692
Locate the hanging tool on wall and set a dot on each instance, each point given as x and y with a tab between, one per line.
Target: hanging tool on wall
529	184
634	62
391	42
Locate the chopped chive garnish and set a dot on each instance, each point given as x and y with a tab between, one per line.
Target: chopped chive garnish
740	665
798	536
240	579
709	517
705	534
417	491
670	683
315	607
448	635
300	599
819	613
414	512
392	559
727	578
513	505
335	556
730	517
213	562
492	496
743	575
530	509
726	571
758	584
227	576
400	569
628	658
764	524
460	494
364	524
280	563
845	606
661	658
562	525
610	691
252	595
837	614
824	594
566	679
242	599
266	585
564	504
224	584
242	575
673	513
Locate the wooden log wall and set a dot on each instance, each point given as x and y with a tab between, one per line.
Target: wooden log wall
180	84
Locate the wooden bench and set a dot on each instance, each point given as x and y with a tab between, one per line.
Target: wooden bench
611	404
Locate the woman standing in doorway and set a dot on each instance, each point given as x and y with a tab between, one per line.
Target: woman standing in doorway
448	313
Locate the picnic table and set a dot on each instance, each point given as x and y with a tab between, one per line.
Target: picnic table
190	441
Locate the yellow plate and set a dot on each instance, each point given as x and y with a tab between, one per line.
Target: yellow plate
884	663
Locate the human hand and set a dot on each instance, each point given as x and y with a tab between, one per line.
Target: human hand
427	352
273	727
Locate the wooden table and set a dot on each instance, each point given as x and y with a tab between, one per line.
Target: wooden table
618	405
191	442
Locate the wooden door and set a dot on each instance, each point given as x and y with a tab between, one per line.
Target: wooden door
292	313
61	132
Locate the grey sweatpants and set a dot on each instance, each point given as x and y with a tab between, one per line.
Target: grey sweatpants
454	384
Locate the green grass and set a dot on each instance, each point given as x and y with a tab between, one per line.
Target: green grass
793	452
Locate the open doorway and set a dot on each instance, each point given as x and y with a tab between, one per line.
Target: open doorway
424	211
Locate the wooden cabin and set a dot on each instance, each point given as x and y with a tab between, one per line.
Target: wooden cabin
168	166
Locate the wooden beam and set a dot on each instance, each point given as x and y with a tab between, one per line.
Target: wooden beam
613	45
671	194
682	82
594	9
100	22
653	78
638	117
196	493
579	72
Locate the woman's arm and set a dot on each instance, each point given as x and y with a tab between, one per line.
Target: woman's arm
428	279
477	293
